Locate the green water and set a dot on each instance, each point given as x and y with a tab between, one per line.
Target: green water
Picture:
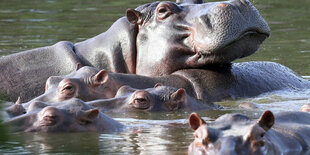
36	23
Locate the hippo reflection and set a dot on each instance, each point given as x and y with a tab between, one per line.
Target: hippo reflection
154	39
282	133
69	116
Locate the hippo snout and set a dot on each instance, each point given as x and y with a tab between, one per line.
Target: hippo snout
49	116
222	28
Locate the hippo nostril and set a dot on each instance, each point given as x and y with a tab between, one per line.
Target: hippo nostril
140	100
141	103
49	120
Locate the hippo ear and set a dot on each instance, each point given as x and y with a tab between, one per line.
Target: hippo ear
19	101
176	99
257	131
157	85
179	95
266	121
100	78
89	116
195	121
78	66
133	16
190	1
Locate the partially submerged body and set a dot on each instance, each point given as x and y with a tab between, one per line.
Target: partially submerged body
155	39
69	116
282	133
159	98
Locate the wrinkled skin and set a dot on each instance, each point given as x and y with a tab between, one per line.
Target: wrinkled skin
235	134
70	116
159	98
154	39
86	83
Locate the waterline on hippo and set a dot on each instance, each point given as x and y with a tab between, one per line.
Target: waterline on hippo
155	39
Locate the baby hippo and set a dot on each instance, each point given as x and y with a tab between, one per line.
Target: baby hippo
69	116
236	134
159	98
86	83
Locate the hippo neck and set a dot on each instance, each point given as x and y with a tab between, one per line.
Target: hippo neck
114	50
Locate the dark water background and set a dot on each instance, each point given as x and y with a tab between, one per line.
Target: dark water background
36	23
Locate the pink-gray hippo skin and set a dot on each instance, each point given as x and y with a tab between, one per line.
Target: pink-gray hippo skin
159	98
155	39
86	83
69	116
306	107
207	85
235	134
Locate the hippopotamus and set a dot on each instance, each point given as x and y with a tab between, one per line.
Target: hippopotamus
159	98
206	85
280	133
68	116
154	39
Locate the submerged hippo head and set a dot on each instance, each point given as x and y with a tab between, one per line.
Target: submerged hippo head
159	98
86	83
231	134
192	34
70	116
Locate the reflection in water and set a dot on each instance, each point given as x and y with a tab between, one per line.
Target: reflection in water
30	24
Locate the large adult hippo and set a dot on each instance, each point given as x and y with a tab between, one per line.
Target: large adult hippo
281	133
154	39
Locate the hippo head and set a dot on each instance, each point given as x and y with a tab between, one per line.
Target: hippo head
192	34
70	116
224	137
159	98
86	83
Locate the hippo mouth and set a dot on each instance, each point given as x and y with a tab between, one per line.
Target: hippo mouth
244	45
248	33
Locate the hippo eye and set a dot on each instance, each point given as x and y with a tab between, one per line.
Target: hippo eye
68	90
84	122
68	87
262	135
163	11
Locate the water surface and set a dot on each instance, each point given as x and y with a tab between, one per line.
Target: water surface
36	23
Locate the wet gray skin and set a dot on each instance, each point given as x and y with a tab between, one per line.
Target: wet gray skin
159	98
86	83
154	39
69	116
236	134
